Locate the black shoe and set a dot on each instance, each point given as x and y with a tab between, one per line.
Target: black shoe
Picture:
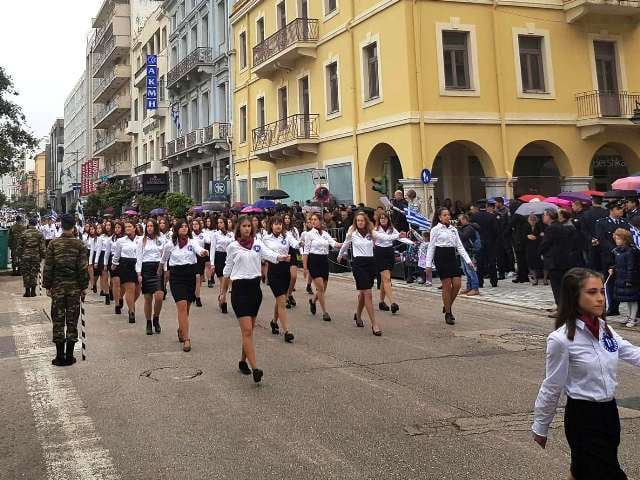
292	301
309	290
613	313
326	317
410	280
494	285
288	337
69	359
156	324
275	329
59	361
443	310
164	297
149	327
27	293
198	302
394	307
358	321
102	294
110	295
287	305
118	309
107	301
210	284
501	277
223	307
244	368
383	306
257	375
312	306
449	319
132	317
94	289
377	333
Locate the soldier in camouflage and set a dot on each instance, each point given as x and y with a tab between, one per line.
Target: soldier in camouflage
14	234
30	249
66	279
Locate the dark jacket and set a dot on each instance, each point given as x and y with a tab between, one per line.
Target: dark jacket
604	232
489	228
555	247
589	219
467	234
532	247
627	286
575	245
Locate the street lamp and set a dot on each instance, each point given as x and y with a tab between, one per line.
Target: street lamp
635	118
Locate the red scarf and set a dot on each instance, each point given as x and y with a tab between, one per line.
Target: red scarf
182	242
593	324
246	242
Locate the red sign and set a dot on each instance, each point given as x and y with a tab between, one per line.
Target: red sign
89	172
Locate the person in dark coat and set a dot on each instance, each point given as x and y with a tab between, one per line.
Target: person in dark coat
532	232
588	230
505	247
577	214
555	250
575	259
520	229
489	232
627	274
632	209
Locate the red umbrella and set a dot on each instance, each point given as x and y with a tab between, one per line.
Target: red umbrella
592	193
530	196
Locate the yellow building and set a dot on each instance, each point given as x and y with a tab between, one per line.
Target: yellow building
496	98
39	187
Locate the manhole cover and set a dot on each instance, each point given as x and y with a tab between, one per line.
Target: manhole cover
176	374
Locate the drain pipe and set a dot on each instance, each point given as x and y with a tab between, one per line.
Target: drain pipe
356	112
416	26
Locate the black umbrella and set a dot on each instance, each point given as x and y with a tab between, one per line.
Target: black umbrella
274	195
620	194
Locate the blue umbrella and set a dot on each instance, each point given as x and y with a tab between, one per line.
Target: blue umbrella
265	204
157	211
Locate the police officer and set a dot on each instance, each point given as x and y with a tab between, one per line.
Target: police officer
632	208
489	233
14	234
66	279
30	249
604	234
588	230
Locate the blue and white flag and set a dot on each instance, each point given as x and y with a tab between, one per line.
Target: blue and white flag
416	219
175	115
54	215
80	212
635	234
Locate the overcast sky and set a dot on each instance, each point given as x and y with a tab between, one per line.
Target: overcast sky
42	47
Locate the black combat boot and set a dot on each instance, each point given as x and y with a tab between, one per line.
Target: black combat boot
33	291
107	300
69	359
59	361
149	328
156	324
27	292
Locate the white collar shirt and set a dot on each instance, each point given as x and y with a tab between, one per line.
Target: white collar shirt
223	240
149	250
584	369
125	248
443	236
280	243
245	264
385	238
316	243
201	238
187	255
362	245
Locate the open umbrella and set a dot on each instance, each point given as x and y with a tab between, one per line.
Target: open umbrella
626	183
619	193
561	202
131	213
196	208
265	204
574	197
531	197
251	209
157	211
274	195
238	206
592	193
537	208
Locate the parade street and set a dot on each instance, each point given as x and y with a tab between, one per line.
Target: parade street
425	400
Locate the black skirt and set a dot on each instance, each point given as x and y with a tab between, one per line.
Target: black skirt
219	260
207	247
127	268
182	281
593	432
246	297
385	258
318	266
151	281
98	270
447	262
113	273
364	271
294	262
200	265
279	277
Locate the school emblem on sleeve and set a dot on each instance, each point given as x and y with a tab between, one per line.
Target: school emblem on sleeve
190	248
609	343
256	248
284	241
158	242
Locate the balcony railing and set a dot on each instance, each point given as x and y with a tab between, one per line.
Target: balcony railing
598	104
291	129
298	30
142	168
199	137
201	56
110	137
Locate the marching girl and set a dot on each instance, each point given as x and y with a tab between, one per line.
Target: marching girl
384	254
208	232
125	256
165	231
149	270
88	238
94	258
243	270
303	235
281	242
199	237
444	247
181	256
362	236
290	228
317	243
222	238
118	293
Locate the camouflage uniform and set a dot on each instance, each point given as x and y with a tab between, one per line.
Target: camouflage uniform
65	274
30	250
14	234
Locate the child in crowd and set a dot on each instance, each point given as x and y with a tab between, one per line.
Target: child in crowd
627	274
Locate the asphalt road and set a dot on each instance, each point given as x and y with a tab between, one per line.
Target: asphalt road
425	401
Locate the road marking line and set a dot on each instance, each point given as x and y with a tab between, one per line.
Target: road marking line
70	444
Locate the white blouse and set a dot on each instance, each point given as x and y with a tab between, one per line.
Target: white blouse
384	238
362	245
187	255
245	264
222	240
150	250
281	243
443	236
318	244
583	369
125	248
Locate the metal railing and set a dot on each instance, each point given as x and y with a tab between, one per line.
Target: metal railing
298	30
108	48
104	140
599	104
142	168
108	108
103	83
199	57
200	136
295	127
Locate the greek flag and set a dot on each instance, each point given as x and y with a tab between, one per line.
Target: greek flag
54	215
635	233
414	218
175	115
80	212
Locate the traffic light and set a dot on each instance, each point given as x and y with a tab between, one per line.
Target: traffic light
380	184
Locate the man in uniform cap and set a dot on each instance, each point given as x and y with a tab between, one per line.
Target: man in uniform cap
631	208
66	279
604	233
30	250
489	232
14	234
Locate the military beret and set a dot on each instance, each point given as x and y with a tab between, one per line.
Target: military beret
33	221
67	221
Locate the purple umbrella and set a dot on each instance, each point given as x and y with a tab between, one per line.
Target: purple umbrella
575	196
197	208
131	213
251	209
157	211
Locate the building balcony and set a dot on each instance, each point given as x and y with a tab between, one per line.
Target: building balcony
288	137
597	110
117	23
107	11
587	10
192	68
112	142
107	87
133	127
194	141
112	112
298	39
115	50
142	168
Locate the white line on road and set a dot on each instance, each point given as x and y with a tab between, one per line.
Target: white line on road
70	444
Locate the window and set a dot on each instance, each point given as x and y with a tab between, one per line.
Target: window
194	114
330	6
259	186
340	182
174	56
136	156
333	97
144	106
260	112
372	83
163	38
281	15
243	124
243	194
135	110
222	102
303	95
204	107
183	46
152	151
455	46
222	22
194	38
204	31
260	30
144	154
531	63
282	103
243	50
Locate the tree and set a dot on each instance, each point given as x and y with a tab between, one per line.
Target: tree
16	141
146	203
178	203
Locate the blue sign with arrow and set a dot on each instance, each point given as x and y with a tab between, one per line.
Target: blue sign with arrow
425	176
